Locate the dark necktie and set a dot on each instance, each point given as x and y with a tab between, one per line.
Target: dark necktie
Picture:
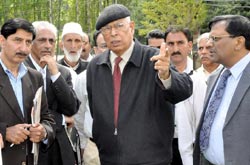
212	109
117	84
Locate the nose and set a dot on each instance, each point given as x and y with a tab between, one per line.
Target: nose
204	51
175	47
25	47
113	31
48	44
73	44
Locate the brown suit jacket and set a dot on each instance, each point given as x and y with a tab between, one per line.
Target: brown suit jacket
10	115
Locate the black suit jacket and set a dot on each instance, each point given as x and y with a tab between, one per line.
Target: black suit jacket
62	100
10	114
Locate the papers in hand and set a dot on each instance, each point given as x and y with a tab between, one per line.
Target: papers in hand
36	110
35	118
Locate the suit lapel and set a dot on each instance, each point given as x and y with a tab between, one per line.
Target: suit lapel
7	92
28	94
210	86
48	79
29	63
239	93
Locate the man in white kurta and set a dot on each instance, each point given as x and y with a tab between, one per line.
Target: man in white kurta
189	111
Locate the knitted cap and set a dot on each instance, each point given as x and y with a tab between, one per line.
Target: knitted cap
72	27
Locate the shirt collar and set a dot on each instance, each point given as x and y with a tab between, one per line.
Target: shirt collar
38	68
22	69
207	73
238	68
75	67
189	66
125	56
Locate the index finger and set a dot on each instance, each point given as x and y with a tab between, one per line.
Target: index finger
24	126
163	50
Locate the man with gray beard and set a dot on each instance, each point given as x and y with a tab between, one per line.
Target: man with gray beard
71	44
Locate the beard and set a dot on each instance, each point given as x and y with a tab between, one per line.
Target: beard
70	57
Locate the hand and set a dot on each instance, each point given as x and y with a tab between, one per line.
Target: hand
1	141
18	133
162	62
82	152
37	132
69	121
51	64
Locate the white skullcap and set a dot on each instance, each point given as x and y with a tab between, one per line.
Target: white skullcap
72	27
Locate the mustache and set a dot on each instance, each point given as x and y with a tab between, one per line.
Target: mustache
21	54
176	53
204	56
46	51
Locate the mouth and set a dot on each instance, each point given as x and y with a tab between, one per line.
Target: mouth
46	52
72	52
22	54
204	58
176	54
115	43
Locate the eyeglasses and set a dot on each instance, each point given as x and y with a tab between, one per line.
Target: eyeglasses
217	38
117	26
102	46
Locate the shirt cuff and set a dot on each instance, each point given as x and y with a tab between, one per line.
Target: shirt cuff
166	83
63	120
55	77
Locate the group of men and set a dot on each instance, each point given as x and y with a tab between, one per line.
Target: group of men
138	104
25	46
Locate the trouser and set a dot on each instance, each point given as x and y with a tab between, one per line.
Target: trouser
176	154
91	154
204	161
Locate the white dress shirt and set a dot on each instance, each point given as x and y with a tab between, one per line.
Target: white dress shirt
178	106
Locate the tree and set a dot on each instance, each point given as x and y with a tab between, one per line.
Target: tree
219	7
162	13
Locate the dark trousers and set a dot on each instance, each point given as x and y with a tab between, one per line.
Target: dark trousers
204	161
176	154
46	158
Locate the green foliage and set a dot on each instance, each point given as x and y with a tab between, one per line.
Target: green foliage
219	7
148	15
159	14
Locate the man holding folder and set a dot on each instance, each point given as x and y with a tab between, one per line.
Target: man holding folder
18	86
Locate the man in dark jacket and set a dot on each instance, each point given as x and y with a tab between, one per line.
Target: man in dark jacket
18	86
131	93
61	98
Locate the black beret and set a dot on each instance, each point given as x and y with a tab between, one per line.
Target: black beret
111	13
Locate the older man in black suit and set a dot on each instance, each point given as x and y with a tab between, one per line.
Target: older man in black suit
131	93
58	86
